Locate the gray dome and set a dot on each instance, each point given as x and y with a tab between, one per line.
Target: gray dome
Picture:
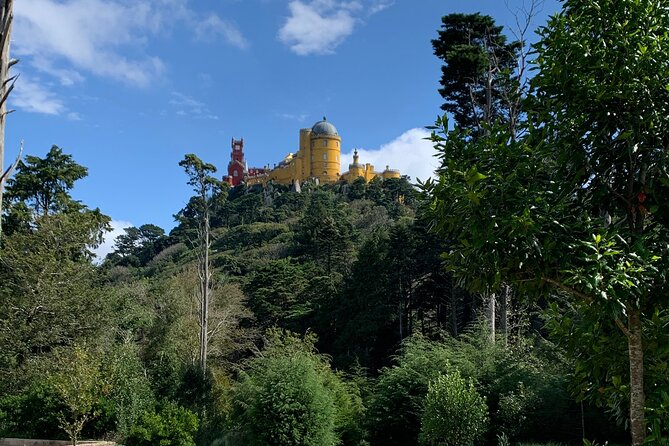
324	128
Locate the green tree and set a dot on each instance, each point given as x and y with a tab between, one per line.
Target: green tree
44	183
455	414
478	63
138	245
206	188
275	293
77	385
48	286
579	205
287	396
170	425
323	233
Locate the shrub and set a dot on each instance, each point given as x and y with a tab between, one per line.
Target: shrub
172	425
455	414
395	409
285	401
290	396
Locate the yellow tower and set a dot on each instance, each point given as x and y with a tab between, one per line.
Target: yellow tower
324	152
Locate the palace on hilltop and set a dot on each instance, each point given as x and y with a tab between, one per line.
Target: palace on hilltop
318	158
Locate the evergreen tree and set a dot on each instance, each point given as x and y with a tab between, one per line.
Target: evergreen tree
478	64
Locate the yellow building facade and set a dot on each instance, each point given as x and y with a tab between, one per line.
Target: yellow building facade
319	158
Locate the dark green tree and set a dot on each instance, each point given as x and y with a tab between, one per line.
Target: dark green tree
323	233
277	297
43	184
138	245
478	64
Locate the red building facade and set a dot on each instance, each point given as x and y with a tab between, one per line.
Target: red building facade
237	168
237	165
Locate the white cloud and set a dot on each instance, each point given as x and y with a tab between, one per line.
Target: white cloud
212	27
189	106
107	245
65	76
30	95
299	117
320	26
108	38
88	34
380	6
411	153
316	28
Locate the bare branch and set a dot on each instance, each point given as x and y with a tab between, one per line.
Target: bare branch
11	168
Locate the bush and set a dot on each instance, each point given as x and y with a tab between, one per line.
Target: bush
285	401
127	392
455	414
395	409
290	396
32	413
172	425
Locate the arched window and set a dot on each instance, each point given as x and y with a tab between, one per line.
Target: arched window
325	156
325	143
235	173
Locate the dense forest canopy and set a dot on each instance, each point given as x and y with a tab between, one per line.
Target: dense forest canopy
519	296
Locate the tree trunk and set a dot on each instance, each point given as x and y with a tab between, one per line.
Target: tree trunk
6	19
504	313
454	309
637	394
491	315
206	288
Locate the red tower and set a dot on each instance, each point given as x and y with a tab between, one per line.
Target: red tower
237	165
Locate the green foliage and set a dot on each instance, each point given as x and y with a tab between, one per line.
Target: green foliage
284	397
171	425
126	390
586	178
47	285
76	382
250	235
323	233
277	294
32	412
475	53
455	414
138	245
44	183
525	385
399	394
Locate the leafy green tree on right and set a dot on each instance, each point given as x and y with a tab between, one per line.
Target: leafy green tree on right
578	206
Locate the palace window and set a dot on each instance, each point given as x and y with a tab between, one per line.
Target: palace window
235	173
325	143
325	156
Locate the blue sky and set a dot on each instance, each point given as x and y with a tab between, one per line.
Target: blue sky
130	86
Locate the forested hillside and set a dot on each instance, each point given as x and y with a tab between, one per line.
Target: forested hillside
332	301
